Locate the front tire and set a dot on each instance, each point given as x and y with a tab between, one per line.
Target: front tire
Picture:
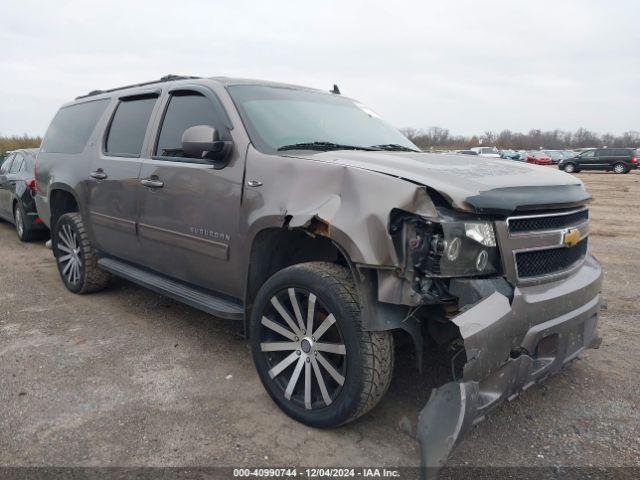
76	259
570	168
312	355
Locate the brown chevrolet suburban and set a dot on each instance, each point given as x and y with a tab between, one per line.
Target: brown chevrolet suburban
303	215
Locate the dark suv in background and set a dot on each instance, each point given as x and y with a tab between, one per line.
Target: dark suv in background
619	160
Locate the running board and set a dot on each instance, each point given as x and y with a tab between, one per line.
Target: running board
217	306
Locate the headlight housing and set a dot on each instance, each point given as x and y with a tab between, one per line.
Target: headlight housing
456	248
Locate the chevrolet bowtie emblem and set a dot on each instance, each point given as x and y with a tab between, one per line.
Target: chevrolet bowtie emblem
571	237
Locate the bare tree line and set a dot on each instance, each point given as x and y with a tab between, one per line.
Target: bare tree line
18	141
441	138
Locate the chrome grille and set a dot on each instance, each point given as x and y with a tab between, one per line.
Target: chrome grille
545	262
550	222
534	248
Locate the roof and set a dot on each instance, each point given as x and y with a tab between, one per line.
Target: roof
225	81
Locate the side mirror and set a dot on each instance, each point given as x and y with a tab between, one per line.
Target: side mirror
203	141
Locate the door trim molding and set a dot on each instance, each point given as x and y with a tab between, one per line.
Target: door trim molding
185	241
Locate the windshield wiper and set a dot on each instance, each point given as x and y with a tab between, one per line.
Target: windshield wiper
393	147
323	147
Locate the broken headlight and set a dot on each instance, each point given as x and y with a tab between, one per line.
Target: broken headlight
454	248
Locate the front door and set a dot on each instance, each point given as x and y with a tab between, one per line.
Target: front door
189	210
587	160
113	185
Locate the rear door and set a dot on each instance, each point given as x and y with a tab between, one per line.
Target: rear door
189	211
5	194
113	187
603	159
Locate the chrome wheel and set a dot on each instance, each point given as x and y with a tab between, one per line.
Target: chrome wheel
304	348
19	222
70	259
619	168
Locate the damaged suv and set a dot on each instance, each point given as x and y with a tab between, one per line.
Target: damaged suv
306	217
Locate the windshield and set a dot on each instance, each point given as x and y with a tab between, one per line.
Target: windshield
279	118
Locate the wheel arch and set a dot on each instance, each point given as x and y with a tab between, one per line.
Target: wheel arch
62	199
274	249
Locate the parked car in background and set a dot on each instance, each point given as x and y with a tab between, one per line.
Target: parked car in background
510	155
466	152
17	192
539	158
555	155
618	160
490	152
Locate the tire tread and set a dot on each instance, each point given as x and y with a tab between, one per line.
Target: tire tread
377	347
95	279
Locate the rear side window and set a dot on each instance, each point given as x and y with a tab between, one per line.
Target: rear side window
129	125
621	152
72	126
185	109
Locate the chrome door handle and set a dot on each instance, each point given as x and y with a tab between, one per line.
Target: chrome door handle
254	183
98	174
152	183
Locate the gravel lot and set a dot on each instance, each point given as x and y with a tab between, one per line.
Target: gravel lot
126	377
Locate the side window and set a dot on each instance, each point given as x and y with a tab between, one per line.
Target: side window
603	152
588	154
621	152
4	169
17	163
129	125
185	109
71	127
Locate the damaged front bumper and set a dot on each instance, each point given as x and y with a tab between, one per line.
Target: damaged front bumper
510	347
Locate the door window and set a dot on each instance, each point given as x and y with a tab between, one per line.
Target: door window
17	163
588	154
185	110
128	126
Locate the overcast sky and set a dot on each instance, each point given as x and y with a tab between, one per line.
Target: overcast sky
469	66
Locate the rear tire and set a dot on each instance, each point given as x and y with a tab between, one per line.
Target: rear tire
76	259
620	168
318	387
24	234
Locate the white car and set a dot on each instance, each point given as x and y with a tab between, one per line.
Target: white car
491	152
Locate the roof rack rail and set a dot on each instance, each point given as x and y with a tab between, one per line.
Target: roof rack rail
166	78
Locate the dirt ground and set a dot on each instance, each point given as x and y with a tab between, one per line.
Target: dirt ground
126	377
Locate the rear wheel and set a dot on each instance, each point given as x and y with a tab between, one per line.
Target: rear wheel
77	260
24	234
570	167
620	168
311	353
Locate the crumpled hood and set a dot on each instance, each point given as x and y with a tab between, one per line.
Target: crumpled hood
480	184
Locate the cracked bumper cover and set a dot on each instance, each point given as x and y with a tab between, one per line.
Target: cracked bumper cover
547	325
